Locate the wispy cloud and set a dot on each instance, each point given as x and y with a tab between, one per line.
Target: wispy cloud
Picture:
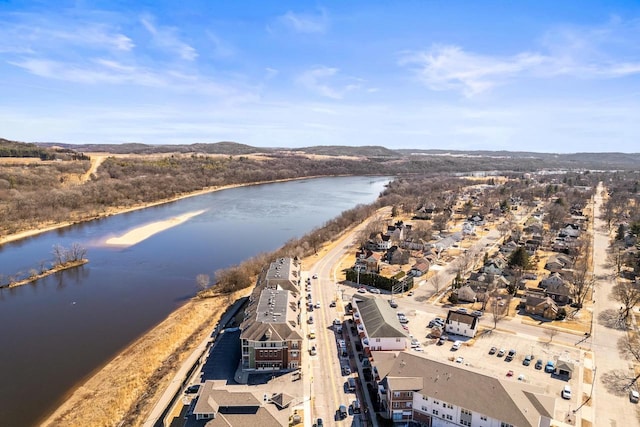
450	67
167	38
322	80
220	48
306	22
30	33
603	52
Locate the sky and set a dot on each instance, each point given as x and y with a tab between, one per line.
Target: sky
542	76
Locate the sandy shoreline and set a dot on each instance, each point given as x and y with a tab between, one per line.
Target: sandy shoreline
115	211
141	233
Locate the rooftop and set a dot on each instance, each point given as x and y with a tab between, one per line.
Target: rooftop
509	401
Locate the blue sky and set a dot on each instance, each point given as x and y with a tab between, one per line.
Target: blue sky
542	76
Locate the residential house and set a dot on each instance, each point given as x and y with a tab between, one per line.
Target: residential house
378	242
420	268
468	228
538	304
554	279
461	324
372	262
398	256
561	292
466	294
423	392
225	408
476	219
271	334
378	325
508	247
495	266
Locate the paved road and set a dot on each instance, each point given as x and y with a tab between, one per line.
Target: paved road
610	410
327	384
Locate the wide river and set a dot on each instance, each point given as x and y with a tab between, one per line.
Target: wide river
57	331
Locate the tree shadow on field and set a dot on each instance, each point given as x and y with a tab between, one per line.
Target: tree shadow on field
610	318
617	382
421	298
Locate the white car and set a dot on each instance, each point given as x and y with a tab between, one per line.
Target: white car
634	396
374	290
456	345
318	304
566	392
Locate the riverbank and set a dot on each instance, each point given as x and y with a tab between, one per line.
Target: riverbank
120	210
56	269
127	386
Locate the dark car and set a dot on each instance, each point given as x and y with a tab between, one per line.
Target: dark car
319	423
527	360
538	364
493	350
510	356
192	389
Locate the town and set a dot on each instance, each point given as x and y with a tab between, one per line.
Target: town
478	312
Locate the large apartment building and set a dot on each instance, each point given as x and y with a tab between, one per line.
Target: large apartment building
271	334
378	325
423	392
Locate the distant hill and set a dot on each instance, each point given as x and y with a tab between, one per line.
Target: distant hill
342	150
29	150
224	147
440	159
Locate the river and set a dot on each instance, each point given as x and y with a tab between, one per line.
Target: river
56	331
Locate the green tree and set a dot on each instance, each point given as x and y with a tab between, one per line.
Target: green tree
519	258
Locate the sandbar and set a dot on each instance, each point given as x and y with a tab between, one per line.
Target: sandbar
143	232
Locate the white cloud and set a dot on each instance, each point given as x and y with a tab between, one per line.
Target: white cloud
306	23
450	67
27	33
604	52
168	39
321	80
220	47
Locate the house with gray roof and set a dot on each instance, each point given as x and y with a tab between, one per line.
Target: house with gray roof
224	408
432	394
378	325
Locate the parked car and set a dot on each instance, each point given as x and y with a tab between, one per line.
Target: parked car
477	313
538	364
501	352
319	423
461	310
460	359
313	350
527	360
509	373
634	396
510	355
362	289
374	290
456	345
315	276
192	389
550	367
342	412
410	293
318	304
346	370
441	340
393	303
332	304
566	392
493	350
310	320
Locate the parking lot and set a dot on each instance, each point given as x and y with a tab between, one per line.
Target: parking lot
474	354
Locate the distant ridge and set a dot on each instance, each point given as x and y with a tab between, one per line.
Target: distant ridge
439	158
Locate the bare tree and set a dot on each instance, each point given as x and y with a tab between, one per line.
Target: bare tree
203	281
551	333
498	308
627	294
76	252
437	283
629	347
59	255
583	280
42	266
